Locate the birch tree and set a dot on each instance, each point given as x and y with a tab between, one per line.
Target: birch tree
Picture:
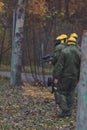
17	41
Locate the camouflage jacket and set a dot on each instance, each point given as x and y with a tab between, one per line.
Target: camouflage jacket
57	52
68	63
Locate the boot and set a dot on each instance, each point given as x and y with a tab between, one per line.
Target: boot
65	114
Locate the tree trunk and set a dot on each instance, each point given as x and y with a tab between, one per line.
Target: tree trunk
67	9
17	41
59	6
82	87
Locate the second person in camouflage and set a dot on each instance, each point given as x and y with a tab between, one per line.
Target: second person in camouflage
66	73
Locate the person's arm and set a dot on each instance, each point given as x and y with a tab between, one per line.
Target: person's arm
58	69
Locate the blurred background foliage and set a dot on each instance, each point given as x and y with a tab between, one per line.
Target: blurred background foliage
45	19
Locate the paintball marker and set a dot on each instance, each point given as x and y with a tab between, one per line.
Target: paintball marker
50	84
46	58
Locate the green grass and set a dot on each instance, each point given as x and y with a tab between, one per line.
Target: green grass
47	69
6	127
3	81
9	127
4	67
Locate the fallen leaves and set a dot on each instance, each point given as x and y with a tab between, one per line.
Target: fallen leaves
38	92
31	108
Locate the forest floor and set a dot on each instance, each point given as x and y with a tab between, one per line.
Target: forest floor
31	107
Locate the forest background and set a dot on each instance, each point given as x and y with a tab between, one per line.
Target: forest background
45	20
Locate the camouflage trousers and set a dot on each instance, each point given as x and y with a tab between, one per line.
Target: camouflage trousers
64	95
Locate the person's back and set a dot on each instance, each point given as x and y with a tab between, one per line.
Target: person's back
66	74
59	48
72	61
69	62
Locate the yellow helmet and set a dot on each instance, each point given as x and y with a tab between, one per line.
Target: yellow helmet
57	41
74	35
63	38
59	37
71	40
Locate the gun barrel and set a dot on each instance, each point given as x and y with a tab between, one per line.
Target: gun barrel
46	58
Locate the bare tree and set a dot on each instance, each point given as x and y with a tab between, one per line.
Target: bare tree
67	9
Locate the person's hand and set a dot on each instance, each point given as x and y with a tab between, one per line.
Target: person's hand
50	62
55	81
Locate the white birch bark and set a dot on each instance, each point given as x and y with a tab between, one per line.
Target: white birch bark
16	60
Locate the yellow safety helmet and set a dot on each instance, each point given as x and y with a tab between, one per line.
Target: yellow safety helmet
57	41
63	36
71	40
74	35
59	37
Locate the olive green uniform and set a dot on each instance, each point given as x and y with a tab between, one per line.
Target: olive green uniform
67	72
57	52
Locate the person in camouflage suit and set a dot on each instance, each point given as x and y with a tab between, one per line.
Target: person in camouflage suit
76	37
59	46
66	75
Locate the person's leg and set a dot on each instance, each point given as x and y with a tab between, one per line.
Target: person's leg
70	100
70	95
64	97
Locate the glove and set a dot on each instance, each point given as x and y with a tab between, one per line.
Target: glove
55	81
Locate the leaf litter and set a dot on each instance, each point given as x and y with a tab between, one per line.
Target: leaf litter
31	108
